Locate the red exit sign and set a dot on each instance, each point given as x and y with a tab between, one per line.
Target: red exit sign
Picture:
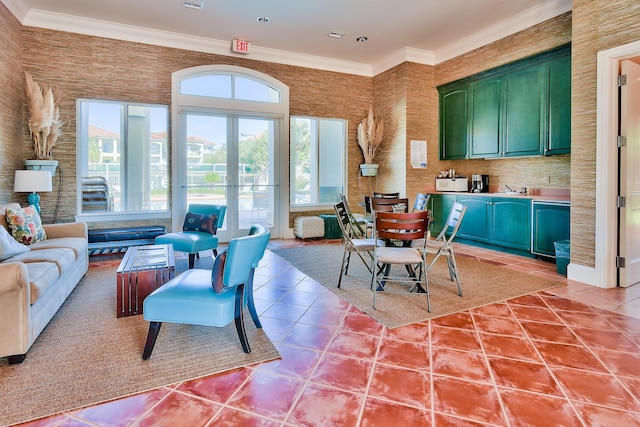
240	46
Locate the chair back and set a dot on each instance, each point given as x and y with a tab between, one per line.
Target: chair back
202	209
356	227
421	202
453	222
379	204
244	254
378	195
401	226
347	227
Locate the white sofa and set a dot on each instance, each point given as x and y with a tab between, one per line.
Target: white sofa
34	284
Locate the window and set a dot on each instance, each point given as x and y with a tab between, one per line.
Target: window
125	146
317	161
230	86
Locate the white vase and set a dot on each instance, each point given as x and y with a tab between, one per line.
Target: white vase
42	165
369	169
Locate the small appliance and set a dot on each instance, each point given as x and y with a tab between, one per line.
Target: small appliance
479	183
452	184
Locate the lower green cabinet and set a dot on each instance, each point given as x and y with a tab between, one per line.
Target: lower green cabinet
511	222
441	205
551	223
475	223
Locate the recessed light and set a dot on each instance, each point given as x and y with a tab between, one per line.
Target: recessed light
337	34
262	19
193	4
362	39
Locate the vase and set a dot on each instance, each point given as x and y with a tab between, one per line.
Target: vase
369	169
42	165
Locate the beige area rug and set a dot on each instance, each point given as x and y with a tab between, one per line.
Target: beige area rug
482	283
86	355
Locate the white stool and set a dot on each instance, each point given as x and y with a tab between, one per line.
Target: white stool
306	227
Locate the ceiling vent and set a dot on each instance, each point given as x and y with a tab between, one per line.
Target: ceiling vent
337	34
192	4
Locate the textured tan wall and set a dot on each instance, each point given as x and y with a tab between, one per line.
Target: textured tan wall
597	25
93	67
11	102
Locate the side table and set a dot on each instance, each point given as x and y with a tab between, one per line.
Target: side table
142	270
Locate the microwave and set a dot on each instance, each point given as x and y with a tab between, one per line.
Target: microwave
452	184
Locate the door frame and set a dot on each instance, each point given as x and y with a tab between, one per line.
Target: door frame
277	111
604	272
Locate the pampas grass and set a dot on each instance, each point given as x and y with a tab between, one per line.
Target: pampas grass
369	134
44	118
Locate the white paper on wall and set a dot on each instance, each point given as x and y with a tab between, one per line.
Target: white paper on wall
418	154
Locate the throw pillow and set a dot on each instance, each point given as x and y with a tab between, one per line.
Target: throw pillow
9	247
217	273
200	222
25	225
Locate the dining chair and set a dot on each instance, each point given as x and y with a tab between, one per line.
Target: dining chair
421	202
213	297
386	195
198	231
379	204
353	241
442	245
358	221
398	231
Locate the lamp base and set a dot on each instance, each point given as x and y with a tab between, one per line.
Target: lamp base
34	199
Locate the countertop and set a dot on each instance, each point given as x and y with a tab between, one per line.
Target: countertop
537	194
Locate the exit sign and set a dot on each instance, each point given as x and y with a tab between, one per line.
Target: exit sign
240	46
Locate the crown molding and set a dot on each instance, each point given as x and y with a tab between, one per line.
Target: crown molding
407	54
524	20
17	8
98	28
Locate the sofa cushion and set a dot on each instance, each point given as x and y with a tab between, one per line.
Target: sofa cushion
9	246
3	213
62	257
41	276
25	225
78	244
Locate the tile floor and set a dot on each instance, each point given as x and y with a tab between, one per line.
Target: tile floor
552	358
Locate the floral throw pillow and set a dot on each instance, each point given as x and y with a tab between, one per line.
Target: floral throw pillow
217	274
200	222
25	225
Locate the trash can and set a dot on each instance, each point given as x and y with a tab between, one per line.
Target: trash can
562	256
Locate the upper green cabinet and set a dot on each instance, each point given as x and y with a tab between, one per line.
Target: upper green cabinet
520	109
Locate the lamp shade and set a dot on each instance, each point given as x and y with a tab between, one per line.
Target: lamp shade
28	181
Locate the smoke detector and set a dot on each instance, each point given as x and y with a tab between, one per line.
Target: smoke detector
193	4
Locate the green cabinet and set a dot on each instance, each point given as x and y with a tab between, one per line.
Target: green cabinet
511	222
520	109
453	112
441	205
551	223
485	100
475	223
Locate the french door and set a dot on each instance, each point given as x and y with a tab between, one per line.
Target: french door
229	159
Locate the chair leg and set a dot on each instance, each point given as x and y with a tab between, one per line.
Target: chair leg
192	261
342	266
453	269
239	319
152	336
215	252
250	302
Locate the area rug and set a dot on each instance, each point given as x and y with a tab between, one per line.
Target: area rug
482	283
86	355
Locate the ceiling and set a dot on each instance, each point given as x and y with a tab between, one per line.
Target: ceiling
425	31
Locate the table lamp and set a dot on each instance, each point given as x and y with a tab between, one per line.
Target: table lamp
32	181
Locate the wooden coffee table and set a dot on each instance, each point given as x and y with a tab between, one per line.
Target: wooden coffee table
142	270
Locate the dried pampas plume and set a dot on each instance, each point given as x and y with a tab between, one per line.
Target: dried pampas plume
44	118
369	134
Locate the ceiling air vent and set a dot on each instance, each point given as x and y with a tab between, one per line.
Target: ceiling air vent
193	4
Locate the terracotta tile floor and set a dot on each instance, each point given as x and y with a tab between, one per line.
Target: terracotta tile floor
569	356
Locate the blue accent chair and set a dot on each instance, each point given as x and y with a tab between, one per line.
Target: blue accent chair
190	297
192	242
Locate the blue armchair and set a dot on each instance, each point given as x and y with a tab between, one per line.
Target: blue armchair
196	240
211	298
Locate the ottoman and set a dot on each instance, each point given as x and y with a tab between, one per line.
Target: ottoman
331	226
307	227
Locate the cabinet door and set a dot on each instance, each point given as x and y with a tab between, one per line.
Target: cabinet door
453	124
559	115
475	223
441	205
484	111
550	224
524	109
511	222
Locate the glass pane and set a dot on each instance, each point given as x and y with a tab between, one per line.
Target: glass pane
255	173
300	161
251	90
216	85
331	161
206	154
